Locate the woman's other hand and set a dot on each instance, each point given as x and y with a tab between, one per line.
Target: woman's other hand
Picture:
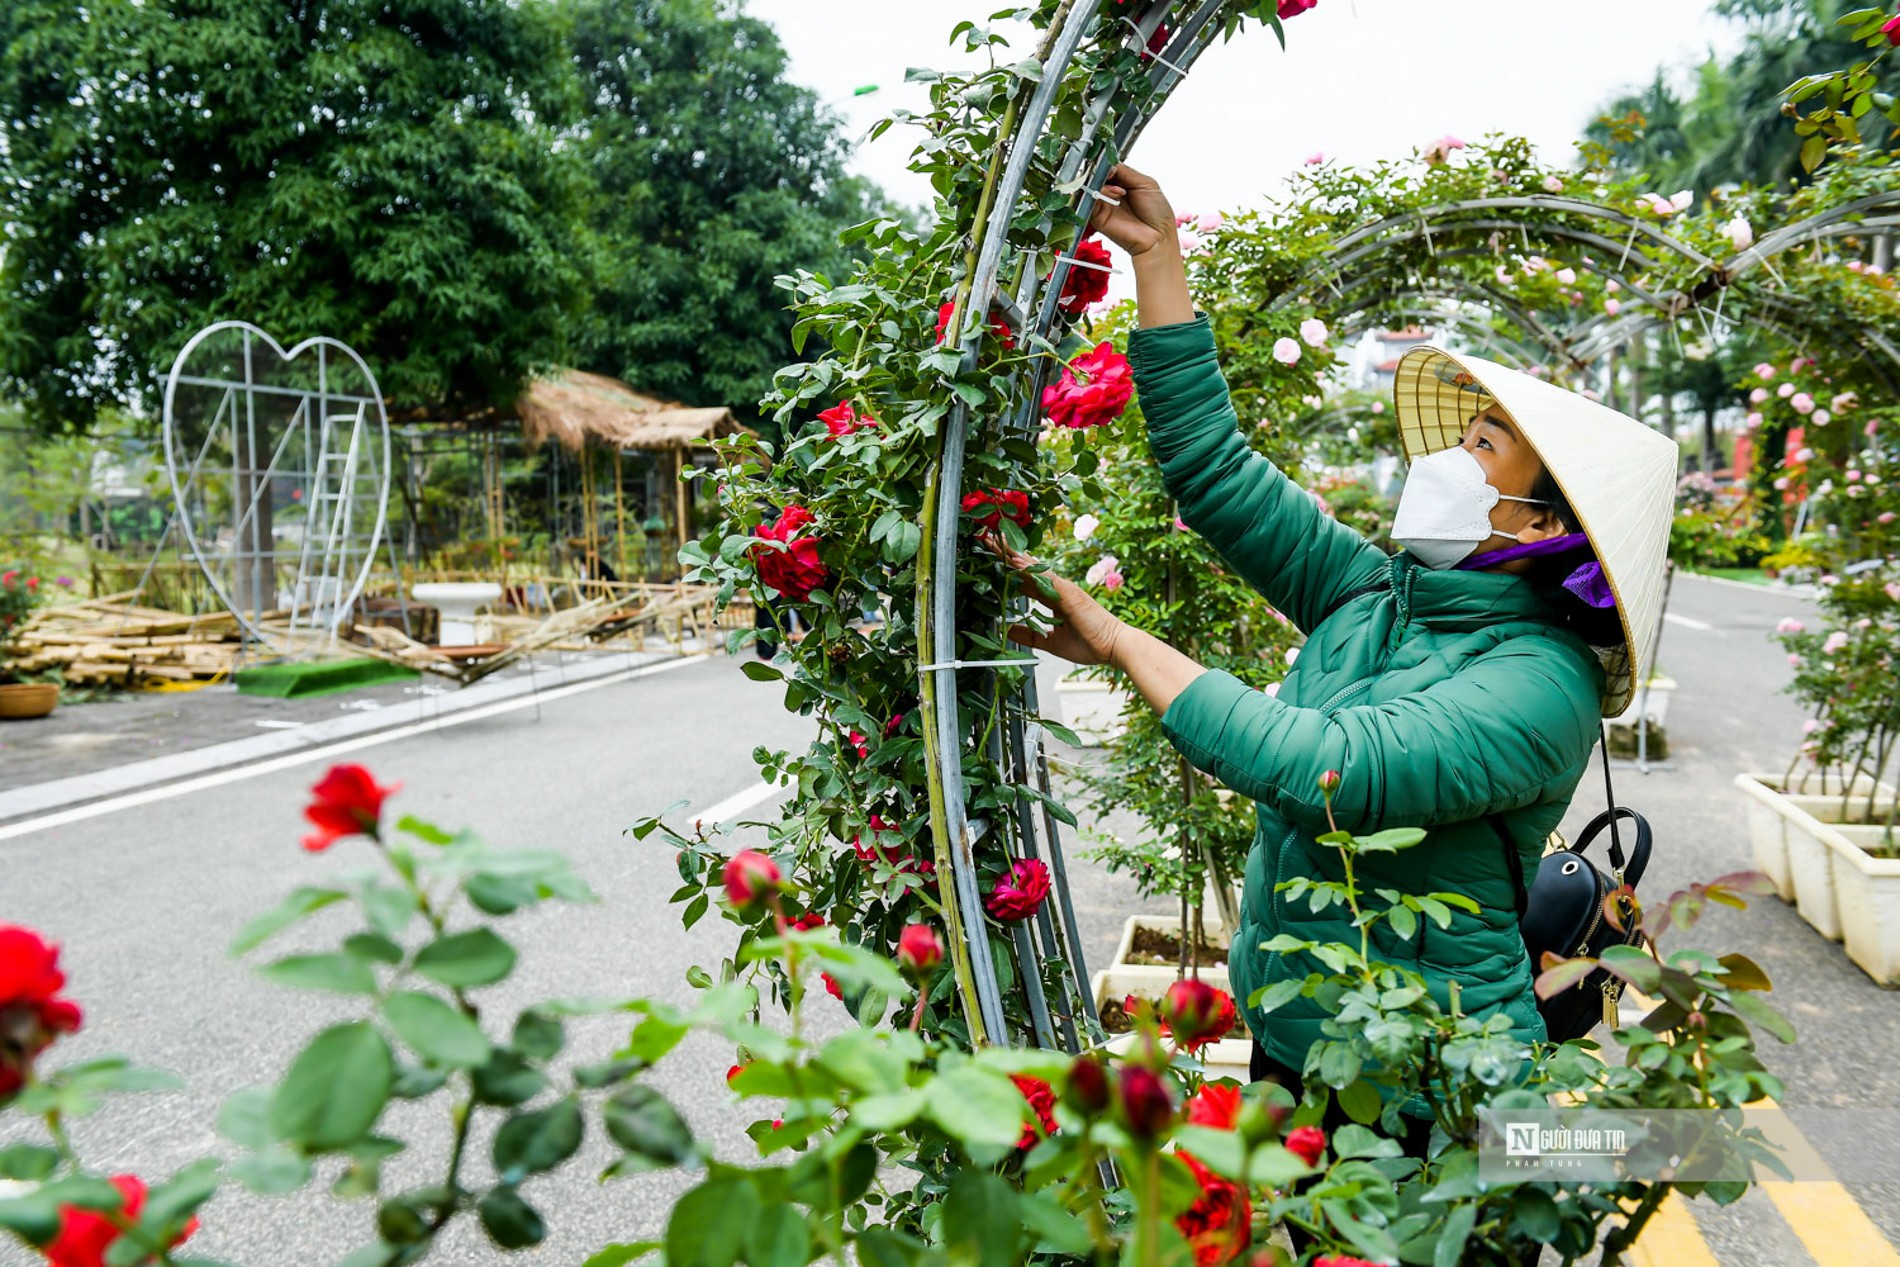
1143	221
1085	633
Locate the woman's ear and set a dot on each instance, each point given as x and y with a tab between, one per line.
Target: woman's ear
1544	524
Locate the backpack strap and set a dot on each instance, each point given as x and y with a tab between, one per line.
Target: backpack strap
1512	860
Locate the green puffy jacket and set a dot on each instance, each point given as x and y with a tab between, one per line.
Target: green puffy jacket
1441	697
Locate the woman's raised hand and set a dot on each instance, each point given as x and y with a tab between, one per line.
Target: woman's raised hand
1084	633
1143	221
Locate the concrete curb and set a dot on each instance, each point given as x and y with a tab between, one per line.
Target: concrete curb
55	794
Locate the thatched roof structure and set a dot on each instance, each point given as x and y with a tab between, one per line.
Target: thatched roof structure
575	406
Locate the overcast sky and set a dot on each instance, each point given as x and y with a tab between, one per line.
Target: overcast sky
1360	80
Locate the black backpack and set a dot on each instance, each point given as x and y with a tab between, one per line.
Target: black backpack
1563	913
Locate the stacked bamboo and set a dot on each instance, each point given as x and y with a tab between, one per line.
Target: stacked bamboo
104	642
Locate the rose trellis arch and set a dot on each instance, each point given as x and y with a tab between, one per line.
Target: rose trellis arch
1430	264
1097	123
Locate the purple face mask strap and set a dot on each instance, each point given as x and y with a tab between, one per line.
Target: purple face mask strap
1589	584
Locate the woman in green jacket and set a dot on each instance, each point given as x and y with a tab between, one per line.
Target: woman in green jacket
1456	686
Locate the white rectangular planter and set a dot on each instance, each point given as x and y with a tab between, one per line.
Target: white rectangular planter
1868	891
1811	868
1772	829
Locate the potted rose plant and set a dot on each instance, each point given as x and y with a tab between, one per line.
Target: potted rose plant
24	692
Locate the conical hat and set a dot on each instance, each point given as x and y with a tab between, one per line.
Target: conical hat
1618	475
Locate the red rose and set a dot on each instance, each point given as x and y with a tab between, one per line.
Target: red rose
1094	388
1218	1224
796	570
1307	1143
734	1072
1195	1013
843	420
1156	42
919	952
858	741
85	1235
1018	894
32	1015
1010	503
1086	1090
1891	29
1142	1099
1215	1106
1003	332
1342	1260
345	802
1042	1098
892	726
1293	8
751	878
806	922
832	987
1085	286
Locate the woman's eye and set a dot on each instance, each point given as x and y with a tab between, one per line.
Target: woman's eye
1483	443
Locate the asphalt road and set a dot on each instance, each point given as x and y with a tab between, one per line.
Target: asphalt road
145	901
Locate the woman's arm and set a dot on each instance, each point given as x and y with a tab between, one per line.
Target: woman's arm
1266	527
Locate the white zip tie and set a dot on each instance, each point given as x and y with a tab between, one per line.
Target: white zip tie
973	664
1099	196
1157	58
1075	263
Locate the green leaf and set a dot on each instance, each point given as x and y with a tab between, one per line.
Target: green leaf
539	1139
1813	150
1279	994
707	1227
335	1089
172	1203
1536	1214
244	1118
1357	1141
980	1220
1753	1008
33	1218
509	1221
436	1031
881	1113
901	543
412	1082
507	1079
1054	1227
275	1172
1391	840
1743	973
1562	976
639	1119
428	833
476	957
759	671
655	1036
621	1255
1634	965
501	894
975	1106
1360	1100
28	1162
538	1036
389	908
1404	922
296	905
372	948
778	1238
344	974
1450	1249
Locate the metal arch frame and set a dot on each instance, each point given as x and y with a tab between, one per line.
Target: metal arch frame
1591	340
1055	945
171	440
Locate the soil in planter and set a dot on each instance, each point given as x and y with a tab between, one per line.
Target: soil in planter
1153	948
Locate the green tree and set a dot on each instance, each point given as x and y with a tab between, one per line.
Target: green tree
387	172
714	176
1729	128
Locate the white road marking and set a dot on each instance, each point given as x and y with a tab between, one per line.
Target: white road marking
1688	622
733	806
166	792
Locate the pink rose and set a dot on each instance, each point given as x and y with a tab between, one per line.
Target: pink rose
1764	371
1286	351
1612	307
1801	403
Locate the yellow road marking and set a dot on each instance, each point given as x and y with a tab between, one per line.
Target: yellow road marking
1822	1214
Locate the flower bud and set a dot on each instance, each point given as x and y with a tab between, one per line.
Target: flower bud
1695	1020
1143	1103
1261	1121
1329	782
919	952
1196	1013
1086	1089
1308	1143
751	878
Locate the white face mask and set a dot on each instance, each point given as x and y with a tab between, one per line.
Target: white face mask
1445	509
